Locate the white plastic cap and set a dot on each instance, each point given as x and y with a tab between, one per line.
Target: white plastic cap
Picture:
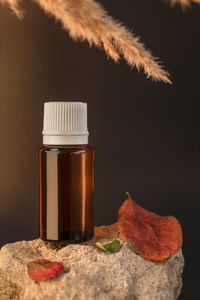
65	123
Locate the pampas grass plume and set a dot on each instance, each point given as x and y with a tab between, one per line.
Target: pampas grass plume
88	20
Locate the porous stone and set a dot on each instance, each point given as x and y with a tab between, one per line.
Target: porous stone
90	273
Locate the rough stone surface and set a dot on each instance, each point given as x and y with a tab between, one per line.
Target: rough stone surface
89	273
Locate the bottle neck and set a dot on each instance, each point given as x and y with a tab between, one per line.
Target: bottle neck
65	139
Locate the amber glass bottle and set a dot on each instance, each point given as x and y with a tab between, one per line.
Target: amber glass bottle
66	164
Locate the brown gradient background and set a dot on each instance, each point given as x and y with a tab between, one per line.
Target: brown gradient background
145	134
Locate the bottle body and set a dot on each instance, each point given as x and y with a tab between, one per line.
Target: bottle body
66	193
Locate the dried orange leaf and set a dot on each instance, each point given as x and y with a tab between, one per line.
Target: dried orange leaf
148	234
110	247
43	269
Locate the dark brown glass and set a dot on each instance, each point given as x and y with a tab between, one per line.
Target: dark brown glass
66	193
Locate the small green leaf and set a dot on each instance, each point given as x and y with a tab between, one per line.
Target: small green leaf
110	247
113	246
171	217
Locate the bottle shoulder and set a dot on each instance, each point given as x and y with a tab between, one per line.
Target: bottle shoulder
67	148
